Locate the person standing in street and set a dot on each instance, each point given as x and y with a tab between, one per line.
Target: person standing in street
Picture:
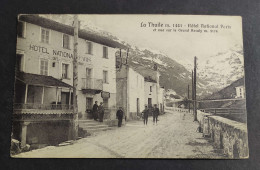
95	111
101	112
119	116
155	114
145	115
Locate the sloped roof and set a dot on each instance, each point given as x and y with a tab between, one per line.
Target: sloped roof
149	79
53	25
35	79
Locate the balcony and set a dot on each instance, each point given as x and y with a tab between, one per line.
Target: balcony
34	108
91	85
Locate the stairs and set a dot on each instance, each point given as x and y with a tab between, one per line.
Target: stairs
91	126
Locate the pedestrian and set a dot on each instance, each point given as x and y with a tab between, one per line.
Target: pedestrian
119	116
145	115
155	114
95	111
101	112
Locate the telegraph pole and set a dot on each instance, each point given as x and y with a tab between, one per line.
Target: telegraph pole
192	90
75	79
195	103
189	97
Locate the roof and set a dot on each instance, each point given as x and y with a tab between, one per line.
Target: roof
35	79
84	34
149	79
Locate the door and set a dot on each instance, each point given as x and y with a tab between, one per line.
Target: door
149	102
64	100
89	103
137	106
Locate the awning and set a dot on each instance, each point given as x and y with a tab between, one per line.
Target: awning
40	80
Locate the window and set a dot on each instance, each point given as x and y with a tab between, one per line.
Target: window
88	73
105	77
105	52
151	88
19	65
65	71
66	41
45	35
44	67
89	47
21	29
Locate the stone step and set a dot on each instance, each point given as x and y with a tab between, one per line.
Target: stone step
91	123
93	127
98	130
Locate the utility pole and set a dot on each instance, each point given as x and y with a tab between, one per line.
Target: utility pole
189	97
195	103
192	90
75	79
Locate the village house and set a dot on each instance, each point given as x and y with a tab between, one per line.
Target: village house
130	91
137	87
240	91
154	93
43	102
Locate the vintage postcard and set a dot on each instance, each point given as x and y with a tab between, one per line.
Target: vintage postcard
129	86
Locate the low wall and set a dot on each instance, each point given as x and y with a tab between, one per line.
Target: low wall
178	109
226	134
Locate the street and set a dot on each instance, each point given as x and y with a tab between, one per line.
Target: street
175	136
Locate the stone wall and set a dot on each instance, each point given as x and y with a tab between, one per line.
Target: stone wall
226	134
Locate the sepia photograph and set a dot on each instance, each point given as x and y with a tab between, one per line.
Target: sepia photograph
129	86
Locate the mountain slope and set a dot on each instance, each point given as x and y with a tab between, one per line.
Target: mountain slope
214	73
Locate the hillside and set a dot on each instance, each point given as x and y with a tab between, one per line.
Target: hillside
216	72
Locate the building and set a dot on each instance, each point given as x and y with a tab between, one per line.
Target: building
154	94
130	91
240	91
44	78
161	99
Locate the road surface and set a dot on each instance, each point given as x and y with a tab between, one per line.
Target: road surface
175	136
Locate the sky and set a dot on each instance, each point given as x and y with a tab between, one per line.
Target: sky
180	46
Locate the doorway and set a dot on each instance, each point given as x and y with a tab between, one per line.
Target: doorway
89	104
137	106
149	102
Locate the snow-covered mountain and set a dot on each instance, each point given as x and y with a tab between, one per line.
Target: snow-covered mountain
223	68
216	72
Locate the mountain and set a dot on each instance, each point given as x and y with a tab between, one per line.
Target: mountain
223	68
214	73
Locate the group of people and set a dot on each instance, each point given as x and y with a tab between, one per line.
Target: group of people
155	112
98	111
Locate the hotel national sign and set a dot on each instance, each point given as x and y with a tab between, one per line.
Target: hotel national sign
57	53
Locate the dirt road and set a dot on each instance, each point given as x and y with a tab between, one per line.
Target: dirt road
175	136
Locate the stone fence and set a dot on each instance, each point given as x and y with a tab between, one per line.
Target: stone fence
226	134
178	109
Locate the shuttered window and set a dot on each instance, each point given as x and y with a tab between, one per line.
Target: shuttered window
45	35
105	52
44	67
66	41
89	47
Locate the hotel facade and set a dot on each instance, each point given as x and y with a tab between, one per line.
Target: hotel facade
44	77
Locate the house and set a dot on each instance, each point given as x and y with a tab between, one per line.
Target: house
130	91
240	92
43	104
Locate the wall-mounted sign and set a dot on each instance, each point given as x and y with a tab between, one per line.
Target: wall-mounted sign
105	94
57	53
